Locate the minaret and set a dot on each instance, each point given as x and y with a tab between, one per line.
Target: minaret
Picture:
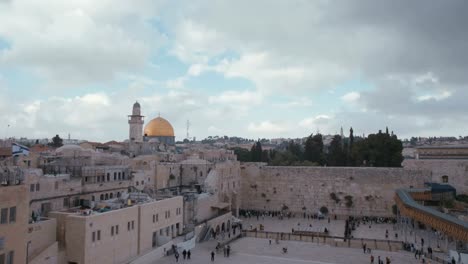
136	124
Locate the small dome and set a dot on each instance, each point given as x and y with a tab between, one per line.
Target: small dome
159	127
136	111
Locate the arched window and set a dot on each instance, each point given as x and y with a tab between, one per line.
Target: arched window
108	176
118	194
111	195
115	176
445	179
107	196
101	197
92	198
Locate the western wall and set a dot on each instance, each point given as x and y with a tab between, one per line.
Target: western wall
343	190
456	171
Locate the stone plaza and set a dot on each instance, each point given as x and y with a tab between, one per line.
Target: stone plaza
259	251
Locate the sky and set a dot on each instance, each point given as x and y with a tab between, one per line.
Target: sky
255	69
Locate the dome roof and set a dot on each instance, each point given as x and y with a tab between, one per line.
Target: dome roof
159	127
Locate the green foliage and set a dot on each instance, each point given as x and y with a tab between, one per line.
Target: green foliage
56	141
336	152
378	150
256	152
314	149
349	201
324	210
334	197
447	204
242	154
462	198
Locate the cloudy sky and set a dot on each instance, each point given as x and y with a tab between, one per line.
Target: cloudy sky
245	68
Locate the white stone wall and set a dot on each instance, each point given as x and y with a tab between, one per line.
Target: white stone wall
456	170
372	189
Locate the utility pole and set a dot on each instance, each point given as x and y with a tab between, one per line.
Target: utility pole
188	127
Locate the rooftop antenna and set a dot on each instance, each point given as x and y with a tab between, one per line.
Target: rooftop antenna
188	127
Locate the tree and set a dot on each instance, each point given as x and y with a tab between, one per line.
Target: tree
378	150
57	141
349	158
336	154
314	149
242	154
256	152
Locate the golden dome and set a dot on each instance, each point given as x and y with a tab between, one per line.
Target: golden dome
159	127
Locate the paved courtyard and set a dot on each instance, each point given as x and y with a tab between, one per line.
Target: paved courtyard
254	250
272	224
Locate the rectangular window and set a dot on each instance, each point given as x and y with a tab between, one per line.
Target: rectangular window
12	214
66	202
99	235
93	237
157	217
112	230
128	226
154	218
10	257
117	229
2	243
2	258
4	216
133	225
37	187
31	188
86	179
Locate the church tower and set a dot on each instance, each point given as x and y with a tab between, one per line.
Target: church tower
136	124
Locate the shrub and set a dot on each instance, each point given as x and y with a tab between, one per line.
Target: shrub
324	210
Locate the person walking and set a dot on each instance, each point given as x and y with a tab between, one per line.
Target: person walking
364	247
228	250
371	259
212	256
184	254
224	251
176	257
189	254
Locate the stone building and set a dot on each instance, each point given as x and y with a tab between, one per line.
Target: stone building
445	164
137	226
14	211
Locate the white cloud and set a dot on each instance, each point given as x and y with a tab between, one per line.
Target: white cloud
268	128
437	97
315	122
244	98
299	102
78	42
351	97
176	83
